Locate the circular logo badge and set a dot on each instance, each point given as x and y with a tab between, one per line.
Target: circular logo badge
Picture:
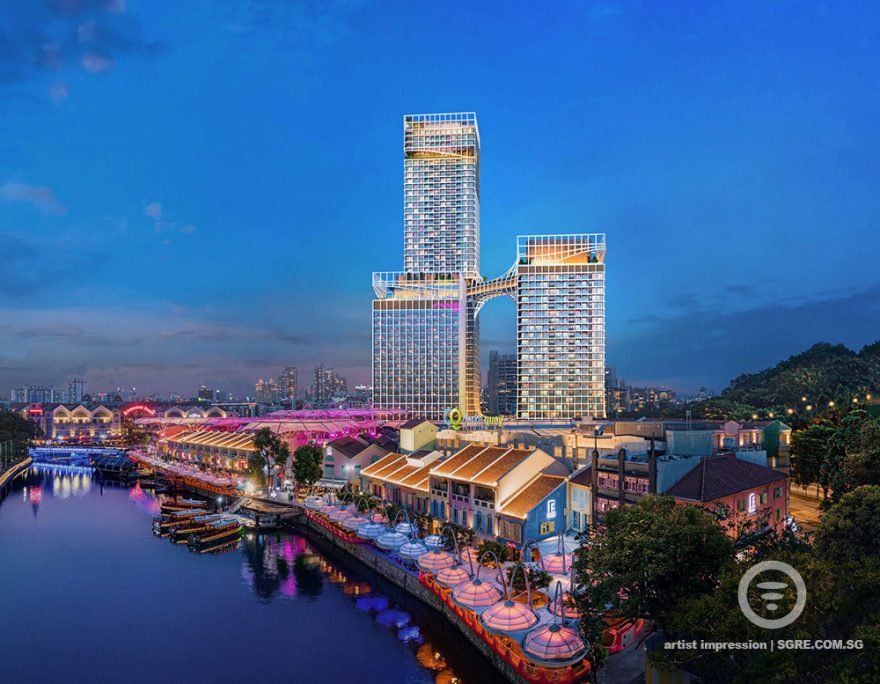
772	592
453	418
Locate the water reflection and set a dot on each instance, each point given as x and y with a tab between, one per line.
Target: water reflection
289	567
282	567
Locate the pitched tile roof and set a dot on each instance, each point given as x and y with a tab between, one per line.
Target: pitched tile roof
583	477
418	479
715	477
348	446
530	495
501	466
410	424
384	465
480	461
457	460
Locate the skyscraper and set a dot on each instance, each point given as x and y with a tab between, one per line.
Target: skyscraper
561	325
328	383
287	382
426	333
501	386
441	193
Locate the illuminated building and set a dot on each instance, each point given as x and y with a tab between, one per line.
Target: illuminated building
287	382
441	171
561	325
425	323
501	389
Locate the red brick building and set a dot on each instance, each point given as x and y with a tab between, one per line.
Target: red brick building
745	496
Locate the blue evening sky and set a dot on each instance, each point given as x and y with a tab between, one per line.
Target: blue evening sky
197	192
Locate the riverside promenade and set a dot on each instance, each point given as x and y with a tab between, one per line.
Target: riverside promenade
9	471
504	655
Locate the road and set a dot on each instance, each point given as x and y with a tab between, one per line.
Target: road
804	509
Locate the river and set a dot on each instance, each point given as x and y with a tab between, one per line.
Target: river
90	595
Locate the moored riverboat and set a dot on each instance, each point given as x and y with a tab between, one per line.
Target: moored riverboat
181	505
182	533
168	521
218	532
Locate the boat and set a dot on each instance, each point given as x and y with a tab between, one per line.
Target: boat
181	533
168	521
181	505
223	547
218	532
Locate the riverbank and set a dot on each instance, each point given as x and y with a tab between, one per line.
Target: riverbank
511	665
13	471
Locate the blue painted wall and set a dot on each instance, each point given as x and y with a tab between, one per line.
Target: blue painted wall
539	514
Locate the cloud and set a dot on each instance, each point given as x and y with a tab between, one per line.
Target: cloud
40	197
153	210
97	63
26	273
706	346
59	91
37	37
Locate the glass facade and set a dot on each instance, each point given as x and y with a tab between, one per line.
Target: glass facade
441	181
426	333
417	341
561	325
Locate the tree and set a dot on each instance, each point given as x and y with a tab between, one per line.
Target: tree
16	434
651	556
308	465
809	449
500	550
846	439
862	464
850	530
271	452
538	579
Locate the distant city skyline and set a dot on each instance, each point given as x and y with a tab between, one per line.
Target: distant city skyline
165	239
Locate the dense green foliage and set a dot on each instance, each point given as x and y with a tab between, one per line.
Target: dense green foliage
271	452
490	545
537	578
842	575
823	373
838	453
16	432
308	465
655	560
652	555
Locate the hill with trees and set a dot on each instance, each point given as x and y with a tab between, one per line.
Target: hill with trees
821	378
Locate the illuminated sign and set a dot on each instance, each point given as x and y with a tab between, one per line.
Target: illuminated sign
138	408
455	420
35	411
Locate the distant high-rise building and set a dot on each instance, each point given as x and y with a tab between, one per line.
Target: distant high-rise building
327	384
501	387
206	394
266	391
76	389
287	383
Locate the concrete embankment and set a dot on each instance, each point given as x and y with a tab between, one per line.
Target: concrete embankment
408	582
13	471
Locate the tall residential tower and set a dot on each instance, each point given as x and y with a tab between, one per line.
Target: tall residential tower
426	335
